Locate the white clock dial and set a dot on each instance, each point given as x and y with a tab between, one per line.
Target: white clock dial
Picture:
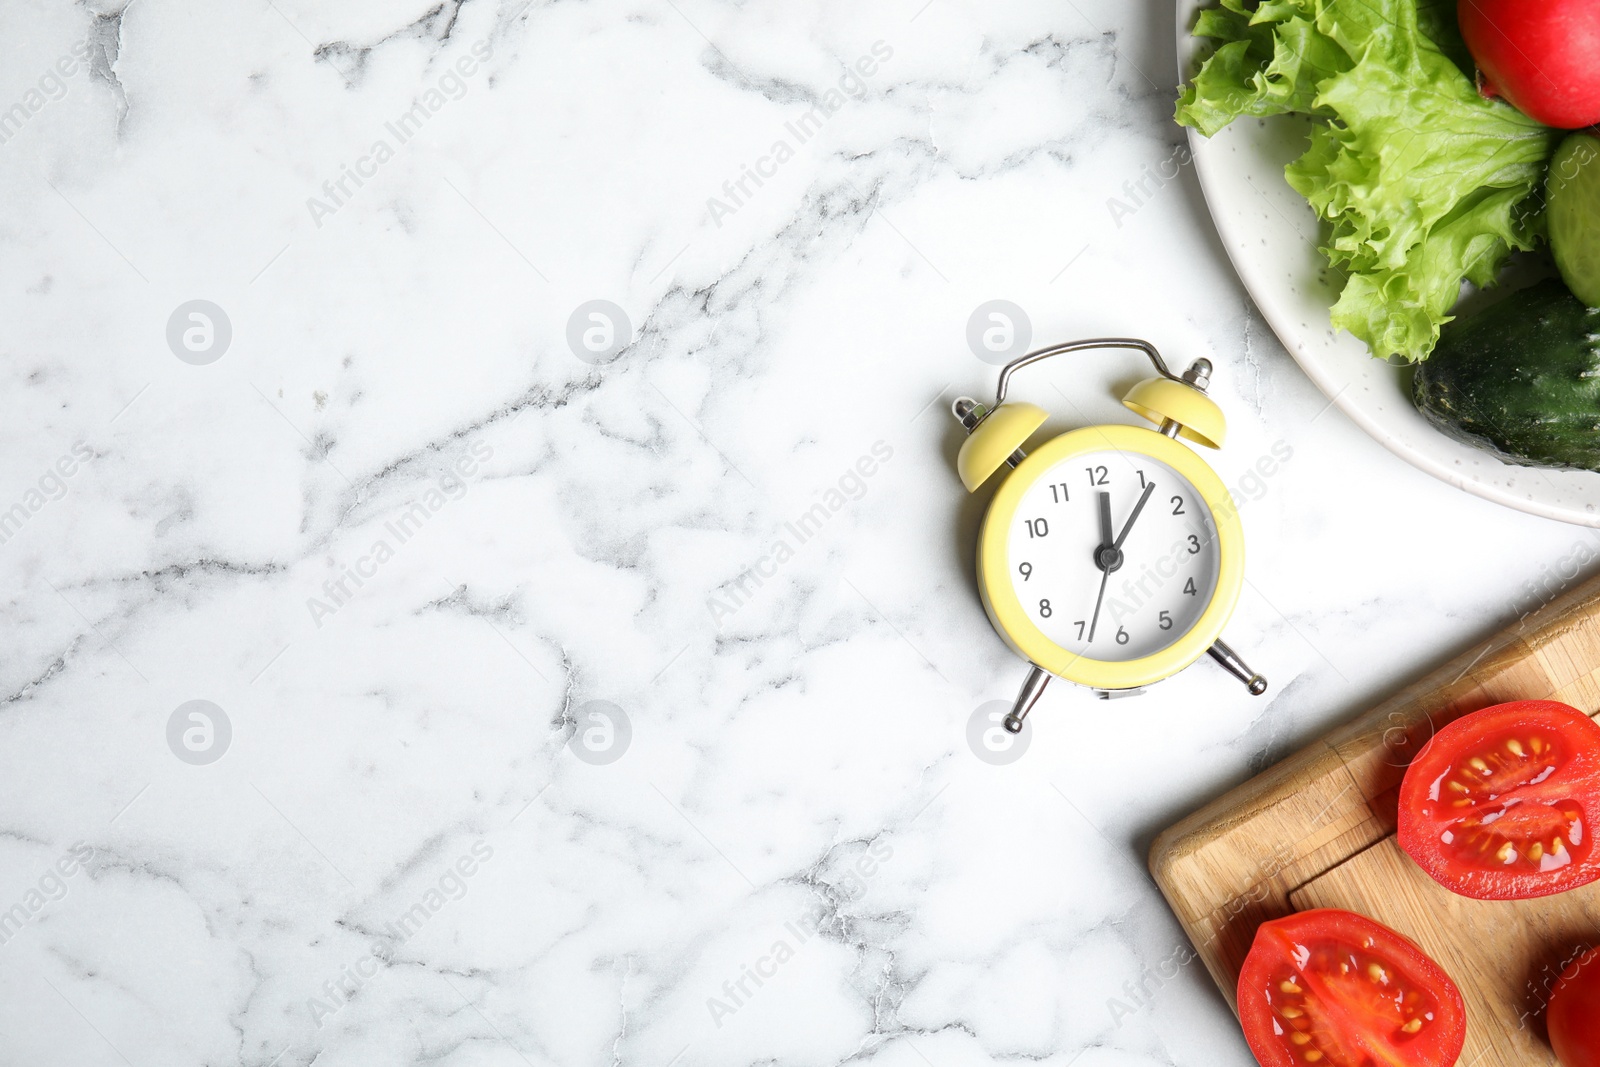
1162	575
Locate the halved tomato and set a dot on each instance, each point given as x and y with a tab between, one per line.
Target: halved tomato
1500	804
1330	988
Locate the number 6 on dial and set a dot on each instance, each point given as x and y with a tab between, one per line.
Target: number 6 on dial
1111	556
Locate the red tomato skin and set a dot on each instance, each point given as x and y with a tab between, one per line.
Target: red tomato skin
1255	1010
1574	1016
1543	56
1418	834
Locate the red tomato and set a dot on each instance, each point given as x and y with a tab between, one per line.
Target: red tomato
1500	804
1331	988
1574	1017
1541	55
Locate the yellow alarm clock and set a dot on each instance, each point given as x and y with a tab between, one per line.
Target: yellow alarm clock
1111	556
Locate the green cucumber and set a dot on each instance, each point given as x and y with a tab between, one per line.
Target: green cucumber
1574	197
1520	379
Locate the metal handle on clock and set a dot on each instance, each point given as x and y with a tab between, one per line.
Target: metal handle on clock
1097	342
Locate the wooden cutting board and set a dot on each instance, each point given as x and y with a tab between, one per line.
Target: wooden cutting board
1317	830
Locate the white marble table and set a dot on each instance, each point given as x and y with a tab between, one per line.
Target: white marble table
375	511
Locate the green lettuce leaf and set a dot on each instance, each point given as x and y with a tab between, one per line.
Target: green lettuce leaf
1418	180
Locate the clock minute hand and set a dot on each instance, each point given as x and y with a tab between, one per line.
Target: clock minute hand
1104	557
1109	556
1123	536
1094	620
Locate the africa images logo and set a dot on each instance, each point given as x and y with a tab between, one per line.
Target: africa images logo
852	85
451	85
457	479
850	487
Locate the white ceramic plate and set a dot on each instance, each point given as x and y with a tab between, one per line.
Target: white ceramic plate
1270	233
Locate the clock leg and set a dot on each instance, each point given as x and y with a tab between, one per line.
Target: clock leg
1237	667
1032	687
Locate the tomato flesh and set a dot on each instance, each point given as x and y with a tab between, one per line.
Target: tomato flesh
1574	1017
1498	805
1330	988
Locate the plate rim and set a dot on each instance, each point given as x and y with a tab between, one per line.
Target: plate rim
1318	371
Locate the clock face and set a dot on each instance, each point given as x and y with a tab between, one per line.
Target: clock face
1136	597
